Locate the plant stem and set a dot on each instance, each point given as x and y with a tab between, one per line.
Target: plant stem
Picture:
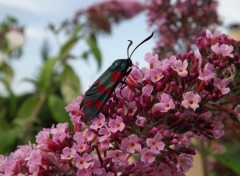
204	153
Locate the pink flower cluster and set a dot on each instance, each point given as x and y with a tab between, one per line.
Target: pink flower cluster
147	130
179	22
101	15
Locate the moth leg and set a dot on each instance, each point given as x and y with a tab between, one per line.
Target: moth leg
124	83
115	96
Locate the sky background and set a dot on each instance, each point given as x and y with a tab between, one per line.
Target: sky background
35	15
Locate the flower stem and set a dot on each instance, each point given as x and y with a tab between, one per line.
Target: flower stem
204	153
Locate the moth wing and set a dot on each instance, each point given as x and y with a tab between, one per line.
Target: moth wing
98	94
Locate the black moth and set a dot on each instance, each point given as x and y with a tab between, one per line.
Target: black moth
101	90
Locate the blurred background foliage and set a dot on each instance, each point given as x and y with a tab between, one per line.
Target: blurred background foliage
56	83
176	25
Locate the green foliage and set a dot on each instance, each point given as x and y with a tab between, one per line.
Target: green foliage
70	83
55	85
26	111
57	109
6	73
45	75
8	139
230	159
92	43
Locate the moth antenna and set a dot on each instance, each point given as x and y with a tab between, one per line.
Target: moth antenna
140	43
129	47
138	69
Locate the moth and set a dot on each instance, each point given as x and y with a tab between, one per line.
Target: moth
99	93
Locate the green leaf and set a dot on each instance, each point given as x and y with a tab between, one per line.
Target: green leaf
57	108
45	75
7	73
92	43
9	138
29	80
25	112
230	159
66	48
70	84
7	86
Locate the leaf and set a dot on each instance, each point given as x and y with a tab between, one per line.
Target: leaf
8	139
57	108
230	159
29	80
70	84
24	114
92	43
7	86
45	74
7	73
65	49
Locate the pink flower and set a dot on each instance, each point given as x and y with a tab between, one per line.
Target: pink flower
117	156
216	49
172	60
156	143
147	156
180	67
141	121
98	122
213	35
147	90
105	132
166	103
155	75
34	161
81	146
68	153
131	144
218	129
184	162
84	172
207	73
162	169
222	85
74	108
116	124
168	62
224	50
104	144
88	135
151	59
42	137
191	100
84	161
3	159
59	133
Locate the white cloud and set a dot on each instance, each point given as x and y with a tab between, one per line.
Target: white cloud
25	5
46	7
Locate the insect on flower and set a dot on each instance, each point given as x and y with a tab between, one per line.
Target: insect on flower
101	90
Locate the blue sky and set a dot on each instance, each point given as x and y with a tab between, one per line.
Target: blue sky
36	14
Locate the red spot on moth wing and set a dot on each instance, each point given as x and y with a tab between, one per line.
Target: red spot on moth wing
98	104
89	103
101	89
115	76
